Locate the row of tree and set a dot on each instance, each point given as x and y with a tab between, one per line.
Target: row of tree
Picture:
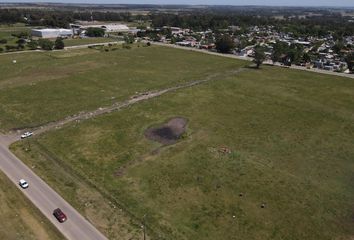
219	18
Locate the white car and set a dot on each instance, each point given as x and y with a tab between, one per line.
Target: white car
26	135
23	183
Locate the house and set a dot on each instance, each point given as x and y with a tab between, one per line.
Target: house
52	33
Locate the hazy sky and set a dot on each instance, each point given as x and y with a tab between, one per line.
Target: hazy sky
349	3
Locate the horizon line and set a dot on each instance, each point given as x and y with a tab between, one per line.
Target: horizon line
175	4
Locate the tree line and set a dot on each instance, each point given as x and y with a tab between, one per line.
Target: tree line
214	19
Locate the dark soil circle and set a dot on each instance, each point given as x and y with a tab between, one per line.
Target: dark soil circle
169	132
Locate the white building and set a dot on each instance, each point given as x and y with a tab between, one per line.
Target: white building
107	27
52	33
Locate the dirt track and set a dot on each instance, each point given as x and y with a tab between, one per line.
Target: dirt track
119	105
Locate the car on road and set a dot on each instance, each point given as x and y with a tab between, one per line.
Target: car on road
26	135
58	214
23	183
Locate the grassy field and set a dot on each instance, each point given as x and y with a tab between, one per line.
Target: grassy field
290	136
82	41
6	32
79	80
20	219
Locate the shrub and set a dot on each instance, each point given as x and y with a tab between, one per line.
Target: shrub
46	44
59	43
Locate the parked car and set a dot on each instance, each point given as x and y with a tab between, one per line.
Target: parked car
23	183
58	214
26	135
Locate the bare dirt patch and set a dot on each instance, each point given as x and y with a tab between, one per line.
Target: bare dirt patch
168	133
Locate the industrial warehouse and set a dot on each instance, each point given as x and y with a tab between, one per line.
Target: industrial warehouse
52	33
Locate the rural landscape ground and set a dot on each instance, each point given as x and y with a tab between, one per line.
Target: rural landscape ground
263	153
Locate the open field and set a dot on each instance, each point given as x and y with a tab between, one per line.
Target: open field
277	137
20	219
78	80
83	41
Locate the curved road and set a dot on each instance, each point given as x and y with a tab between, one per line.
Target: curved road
44	197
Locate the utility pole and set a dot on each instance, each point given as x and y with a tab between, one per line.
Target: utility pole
144	226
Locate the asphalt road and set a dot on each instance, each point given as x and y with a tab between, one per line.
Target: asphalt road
44	197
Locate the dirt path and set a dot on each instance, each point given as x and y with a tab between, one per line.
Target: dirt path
119	105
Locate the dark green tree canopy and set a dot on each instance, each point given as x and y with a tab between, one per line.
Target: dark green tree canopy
224	44
95	32
59	43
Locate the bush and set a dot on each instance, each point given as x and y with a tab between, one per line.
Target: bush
33	45
59	43
10	47
1	49
3	41
46	44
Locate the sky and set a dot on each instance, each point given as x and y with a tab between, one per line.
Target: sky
332	3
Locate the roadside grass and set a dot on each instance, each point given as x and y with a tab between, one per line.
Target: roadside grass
82	41
290	135
20	219
43	87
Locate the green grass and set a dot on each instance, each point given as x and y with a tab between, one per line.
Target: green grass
79	80
20	219
291	139
6	32
83	41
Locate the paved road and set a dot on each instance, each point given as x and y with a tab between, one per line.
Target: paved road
44	197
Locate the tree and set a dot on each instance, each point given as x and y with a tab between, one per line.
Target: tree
306	57
279	49
45	44
350	61
259	56
224	44
59	43
33	45
95	32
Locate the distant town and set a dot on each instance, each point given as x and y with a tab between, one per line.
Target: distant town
279	47
296	37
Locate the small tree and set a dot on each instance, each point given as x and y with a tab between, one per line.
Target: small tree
46	44
224	44
350	61
259	56
33	45
59	43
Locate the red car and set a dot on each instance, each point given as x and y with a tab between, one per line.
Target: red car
58	214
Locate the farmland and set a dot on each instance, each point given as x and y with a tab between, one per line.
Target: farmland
267	154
